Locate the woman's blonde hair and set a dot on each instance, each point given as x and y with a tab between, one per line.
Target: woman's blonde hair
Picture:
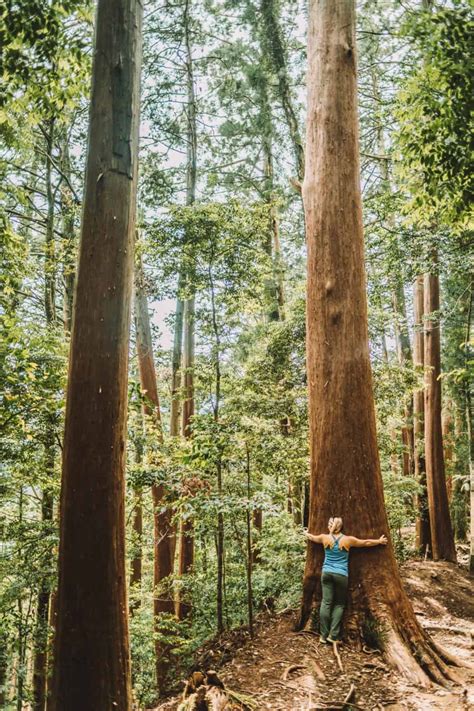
335	524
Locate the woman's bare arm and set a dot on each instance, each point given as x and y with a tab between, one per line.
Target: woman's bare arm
315	539
353	542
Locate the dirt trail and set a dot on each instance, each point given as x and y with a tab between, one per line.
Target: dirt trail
282	670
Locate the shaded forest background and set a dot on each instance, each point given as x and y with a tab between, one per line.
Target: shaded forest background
218	453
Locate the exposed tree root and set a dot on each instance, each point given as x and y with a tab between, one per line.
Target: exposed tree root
420	659
447	628
407	646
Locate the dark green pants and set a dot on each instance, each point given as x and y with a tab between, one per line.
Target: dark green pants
333	603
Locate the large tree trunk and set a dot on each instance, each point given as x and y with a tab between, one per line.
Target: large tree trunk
91	658
345	469
442	539
423	532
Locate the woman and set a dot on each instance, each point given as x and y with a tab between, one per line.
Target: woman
334	577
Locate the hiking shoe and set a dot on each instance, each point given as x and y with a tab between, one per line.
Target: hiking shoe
323	640
332	641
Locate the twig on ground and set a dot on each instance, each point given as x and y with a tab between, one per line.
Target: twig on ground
291	668
350	694
367	650
338	656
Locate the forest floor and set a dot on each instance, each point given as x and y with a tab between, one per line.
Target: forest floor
282	670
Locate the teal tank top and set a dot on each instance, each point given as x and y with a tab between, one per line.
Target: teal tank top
336	560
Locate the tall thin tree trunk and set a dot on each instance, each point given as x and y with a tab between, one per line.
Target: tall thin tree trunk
442	539
50	256
249	545
40	655
137	526
345	468
162	514
220	515
91	656
176	362
423	531
275	293
69	242
275	50
186	538
400	321
4	650
469	421
447	424
40	659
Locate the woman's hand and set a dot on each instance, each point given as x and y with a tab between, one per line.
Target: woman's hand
314	539
383	540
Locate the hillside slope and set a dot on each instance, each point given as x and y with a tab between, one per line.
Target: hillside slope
286	671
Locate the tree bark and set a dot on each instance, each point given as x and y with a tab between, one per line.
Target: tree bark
442	539
423	531
91	659
345	468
